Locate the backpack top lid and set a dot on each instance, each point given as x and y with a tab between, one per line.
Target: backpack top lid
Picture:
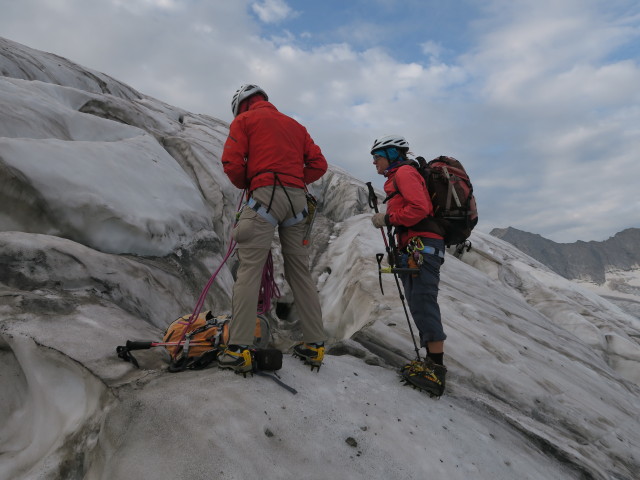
448	162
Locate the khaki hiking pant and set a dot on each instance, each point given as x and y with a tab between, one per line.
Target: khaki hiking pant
254	235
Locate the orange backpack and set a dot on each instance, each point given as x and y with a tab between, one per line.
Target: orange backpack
195	345
201	340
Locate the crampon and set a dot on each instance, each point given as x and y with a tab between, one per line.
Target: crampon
424	376
312	354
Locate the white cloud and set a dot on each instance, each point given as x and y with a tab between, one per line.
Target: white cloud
432	49
140	6
272	11
534	48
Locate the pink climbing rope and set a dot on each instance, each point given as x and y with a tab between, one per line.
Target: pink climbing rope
205	290
268	286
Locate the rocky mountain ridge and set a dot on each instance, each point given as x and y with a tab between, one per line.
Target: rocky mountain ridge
579	260
611	268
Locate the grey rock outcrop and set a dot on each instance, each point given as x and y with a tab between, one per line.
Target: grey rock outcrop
579	260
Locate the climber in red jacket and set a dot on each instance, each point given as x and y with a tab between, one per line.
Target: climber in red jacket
408	203
274	158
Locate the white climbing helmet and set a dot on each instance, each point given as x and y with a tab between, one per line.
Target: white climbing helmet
390	141
244	92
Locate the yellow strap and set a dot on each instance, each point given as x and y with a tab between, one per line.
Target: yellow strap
246	355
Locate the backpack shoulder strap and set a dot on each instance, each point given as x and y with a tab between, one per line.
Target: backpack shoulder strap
407	162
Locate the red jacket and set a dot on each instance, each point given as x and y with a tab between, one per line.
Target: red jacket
261	141
410	205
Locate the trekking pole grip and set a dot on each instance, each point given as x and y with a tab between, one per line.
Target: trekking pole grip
373	203
373	199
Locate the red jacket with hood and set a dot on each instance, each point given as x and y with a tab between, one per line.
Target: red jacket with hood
410	205
262	141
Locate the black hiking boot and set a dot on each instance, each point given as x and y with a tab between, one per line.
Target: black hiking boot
311	353
236	358
427	376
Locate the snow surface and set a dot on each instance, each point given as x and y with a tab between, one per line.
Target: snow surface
622	287
114	212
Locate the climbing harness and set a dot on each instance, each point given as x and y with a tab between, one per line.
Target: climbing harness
409	259
307	214
416	246
264	213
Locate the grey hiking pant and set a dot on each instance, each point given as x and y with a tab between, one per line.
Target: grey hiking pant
421	293
254	235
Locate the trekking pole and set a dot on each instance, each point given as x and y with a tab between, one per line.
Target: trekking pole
373	203
124	351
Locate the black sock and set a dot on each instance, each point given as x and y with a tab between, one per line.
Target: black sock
437	358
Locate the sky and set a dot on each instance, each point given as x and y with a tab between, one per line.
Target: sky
538	99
